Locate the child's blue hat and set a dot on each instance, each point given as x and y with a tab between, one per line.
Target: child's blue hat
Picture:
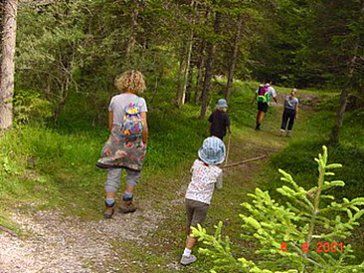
221	103
212	151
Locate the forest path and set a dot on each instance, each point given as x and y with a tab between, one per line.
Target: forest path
53	243
57	243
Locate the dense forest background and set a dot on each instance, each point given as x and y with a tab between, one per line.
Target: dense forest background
69	49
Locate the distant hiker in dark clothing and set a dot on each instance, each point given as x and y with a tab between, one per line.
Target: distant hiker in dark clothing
290	113
262	96
219	120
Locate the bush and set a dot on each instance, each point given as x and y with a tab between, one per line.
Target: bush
30	107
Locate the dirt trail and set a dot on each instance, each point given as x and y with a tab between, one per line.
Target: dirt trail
67	244
55	243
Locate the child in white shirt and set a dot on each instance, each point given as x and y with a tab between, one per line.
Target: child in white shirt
206	175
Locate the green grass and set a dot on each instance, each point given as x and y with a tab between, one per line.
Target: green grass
55	168
297	159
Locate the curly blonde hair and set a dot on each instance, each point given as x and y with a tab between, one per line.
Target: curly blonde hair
130	81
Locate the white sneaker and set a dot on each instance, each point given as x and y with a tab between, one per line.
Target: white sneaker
282	132
289	133
185	260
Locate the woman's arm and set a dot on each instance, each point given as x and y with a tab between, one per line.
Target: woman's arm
111	119
145	127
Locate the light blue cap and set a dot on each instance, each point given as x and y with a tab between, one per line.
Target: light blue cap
221	103
212	151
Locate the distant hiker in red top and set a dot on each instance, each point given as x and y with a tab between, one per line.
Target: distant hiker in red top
219	120
262	96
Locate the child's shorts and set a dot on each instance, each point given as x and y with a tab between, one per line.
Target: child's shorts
196	212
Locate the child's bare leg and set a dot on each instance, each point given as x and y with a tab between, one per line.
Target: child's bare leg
129	188
112	184
132	178
187	257
110	195
261	117
190	242
257	118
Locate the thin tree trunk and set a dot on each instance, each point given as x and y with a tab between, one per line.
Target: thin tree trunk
7	64
65	82
233	58
189	84
335	132
61	103
200	72
185	66
201	64
211	49
134	26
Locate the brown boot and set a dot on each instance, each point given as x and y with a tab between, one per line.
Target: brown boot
109	211
128	207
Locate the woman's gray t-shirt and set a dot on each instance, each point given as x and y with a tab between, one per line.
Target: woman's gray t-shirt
119	102
290	103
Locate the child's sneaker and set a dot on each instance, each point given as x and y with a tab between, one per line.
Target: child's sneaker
127	207
186	260
109	211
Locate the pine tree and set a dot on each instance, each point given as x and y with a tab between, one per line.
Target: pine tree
305	234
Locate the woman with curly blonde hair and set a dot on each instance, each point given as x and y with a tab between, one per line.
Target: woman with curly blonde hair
126	146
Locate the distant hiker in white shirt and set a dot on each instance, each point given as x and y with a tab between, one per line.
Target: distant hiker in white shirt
206	175
262	96
290	113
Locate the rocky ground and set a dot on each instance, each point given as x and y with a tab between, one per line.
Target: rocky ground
53	243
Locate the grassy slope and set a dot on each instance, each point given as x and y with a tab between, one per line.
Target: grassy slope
56	170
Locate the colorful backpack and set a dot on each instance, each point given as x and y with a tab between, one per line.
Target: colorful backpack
263	93
132	120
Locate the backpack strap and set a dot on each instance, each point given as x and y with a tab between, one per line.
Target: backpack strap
136	101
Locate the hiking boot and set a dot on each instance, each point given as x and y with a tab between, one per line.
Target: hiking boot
109	211
127	207
186	260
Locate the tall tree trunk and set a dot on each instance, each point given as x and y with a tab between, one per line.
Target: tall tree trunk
134	26
335	132
7	63
211	49
200	71
185	64
64	89
233	58
189	83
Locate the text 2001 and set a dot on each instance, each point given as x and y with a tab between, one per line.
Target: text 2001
329	247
